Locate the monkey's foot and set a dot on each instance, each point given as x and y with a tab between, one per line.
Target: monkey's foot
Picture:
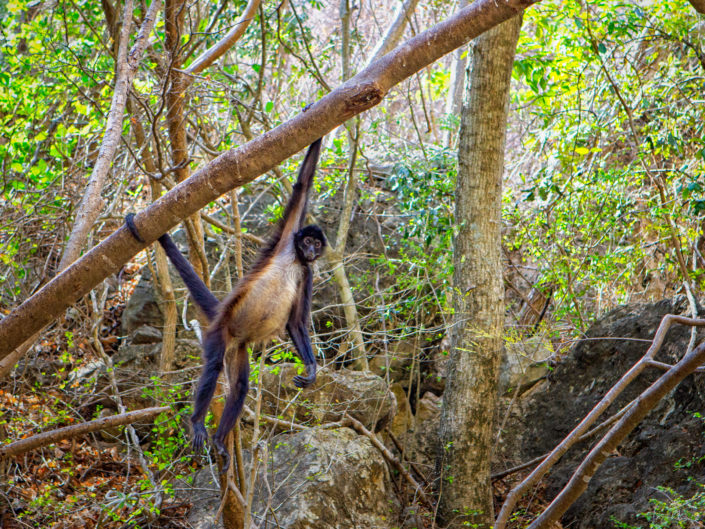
223	453
304	382
200	437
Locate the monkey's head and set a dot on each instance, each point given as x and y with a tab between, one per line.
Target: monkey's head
309	243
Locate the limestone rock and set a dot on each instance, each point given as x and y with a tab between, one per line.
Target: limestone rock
363	395
324	479
422	441
524	363
146	334
397	362
664	450
404	418
137	356
142	307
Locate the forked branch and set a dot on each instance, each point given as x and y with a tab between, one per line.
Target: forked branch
635	413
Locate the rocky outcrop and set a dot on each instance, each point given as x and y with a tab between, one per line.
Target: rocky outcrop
317	478
665	450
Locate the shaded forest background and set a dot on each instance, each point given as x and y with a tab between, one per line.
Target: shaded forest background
603	204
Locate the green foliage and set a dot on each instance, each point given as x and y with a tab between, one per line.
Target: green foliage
612	167
54	93
675	512
424	193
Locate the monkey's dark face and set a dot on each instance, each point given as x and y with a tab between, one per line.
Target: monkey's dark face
309	243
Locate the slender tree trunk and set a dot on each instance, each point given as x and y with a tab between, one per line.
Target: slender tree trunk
454	99
476	335
126	66
395	30
176	124
335	256
163	279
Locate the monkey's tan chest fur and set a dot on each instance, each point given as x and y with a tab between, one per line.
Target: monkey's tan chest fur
267	303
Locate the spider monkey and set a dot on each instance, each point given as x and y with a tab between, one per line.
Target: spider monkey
274	294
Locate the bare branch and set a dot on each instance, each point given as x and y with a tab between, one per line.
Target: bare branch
574	436
126	67
53	436
209	56
643	405
395	30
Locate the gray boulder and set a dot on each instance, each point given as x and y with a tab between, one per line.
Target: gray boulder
363	395
324	479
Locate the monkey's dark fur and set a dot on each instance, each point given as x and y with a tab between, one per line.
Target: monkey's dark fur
274	294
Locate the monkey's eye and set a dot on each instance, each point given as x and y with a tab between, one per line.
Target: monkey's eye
317	244
307	241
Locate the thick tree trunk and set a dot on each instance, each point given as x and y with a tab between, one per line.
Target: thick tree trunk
240	166
476	335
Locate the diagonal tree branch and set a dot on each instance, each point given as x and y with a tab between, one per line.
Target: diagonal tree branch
240	166
212	54
698	5
574	436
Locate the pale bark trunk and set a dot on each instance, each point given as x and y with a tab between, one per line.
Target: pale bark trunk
395	30
335	255
223	45
92	203
126	67
454	99
478	296
242	165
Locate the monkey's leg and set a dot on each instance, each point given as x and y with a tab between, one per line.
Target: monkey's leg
213	352
238	377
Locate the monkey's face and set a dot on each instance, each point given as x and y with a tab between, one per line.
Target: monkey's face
310	243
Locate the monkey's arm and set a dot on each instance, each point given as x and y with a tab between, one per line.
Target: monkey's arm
297	327
295	212
200	293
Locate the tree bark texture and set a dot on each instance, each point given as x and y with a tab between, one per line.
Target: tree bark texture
239	166
698	5
478	294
